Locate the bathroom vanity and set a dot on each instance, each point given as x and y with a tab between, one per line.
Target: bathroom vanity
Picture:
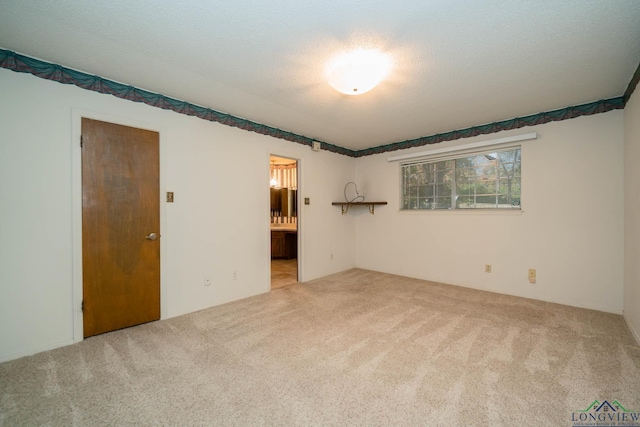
284	241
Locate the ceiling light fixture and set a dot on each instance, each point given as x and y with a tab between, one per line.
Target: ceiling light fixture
358	71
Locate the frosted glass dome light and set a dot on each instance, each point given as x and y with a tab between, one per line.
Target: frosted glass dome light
358	71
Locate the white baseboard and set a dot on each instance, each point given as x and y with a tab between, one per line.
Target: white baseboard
561	301
634	332
31	352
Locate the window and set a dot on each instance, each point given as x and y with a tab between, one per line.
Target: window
487	180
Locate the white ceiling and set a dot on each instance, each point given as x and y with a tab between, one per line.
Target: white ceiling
457	63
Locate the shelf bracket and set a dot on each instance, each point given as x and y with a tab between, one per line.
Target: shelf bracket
345	208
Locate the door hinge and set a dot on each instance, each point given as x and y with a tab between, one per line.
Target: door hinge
80	141
82	306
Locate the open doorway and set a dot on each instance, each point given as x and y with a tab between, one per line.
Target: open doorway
283	191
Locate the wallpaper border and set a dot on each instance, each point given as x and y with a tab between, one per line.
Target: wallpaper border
24	64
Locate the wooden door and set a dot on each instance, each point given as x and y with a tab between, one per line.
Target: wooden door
120	211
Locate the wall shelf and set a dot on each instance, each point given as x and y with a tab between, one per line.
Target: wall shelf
346	205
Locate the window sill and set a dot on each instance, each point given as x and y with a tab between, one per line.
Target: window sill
489	212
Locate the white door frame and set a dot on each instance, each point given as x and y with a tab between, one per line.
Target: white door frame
300	219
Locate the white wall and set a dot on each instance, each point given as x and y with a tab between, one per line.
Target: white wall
570	230
632	214
219	223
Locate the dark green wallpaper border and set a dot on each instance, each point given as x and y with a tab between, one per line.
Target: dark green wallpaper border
597	107
46	70
632	85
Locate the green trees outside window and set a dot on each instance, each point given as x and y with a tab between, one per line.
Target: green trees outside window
489	180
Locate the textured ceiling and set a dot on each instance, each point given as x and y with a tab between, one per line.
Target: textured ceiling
456	63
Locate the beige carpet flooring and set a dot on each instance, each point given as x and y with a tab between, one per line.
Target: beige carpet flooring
354	349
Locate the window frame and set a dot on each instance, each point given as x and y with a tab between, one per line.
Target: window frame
454	158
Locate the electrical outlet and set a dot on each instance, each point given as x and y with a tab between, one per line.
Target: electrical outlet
532	274
331	256
235	275
487	268
207	280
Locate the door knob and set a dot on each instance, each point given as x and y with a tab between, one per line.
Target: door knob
152	236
